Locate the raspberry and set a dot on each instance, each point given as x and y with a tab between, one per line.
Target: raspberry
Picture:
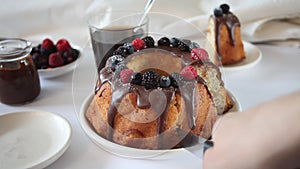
150	80
199	54
138	44
164	41
47	44
125	75
149	41
55	60
63	45
188	73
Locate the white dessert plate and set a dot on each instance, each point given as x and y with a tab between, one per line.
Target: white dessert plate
129	152
253	56
58	71
32	139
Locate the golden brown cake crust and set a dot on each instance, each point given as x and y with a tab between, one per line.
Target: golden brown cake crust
145	134
149	115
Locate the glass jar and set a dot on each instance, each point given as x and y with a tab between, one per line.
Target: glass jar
19	79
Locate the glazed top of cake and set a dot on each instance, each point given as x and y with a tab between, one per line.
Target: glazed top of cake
152	71
223	16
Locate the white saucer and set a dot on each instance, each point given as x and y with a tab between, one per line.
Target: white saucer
58	71
32	139
129	152
253	56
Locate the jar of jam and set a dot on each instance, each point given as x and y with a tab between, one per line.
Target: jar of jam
19	79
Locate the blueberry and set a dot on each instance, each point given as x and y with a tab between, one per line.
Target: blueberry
136	78
128	47
175	42
164	81
150	80
149	41
218	12
194	45
176	79
164	41
225	8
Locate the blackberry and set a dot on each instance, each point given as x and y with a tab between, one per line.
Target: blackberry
218	12
174	42
176	79
149	41
128	48
121	51
114	61
136	78
164	41
164	81
184	45
225	8
194	45
150	80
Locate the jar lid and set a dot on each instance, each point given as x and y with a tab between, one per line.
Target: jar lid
14	49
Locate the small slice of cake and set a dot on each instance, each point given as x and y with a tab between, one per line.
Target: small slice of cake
224	33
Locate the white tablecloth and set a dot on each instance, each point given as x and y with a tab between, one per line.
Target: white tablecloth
276	74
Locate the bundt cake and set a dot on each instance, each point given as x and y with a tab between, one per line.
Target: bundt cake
157	96
224	33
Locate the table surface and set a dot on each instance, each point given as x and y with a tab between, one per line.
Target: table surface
278	73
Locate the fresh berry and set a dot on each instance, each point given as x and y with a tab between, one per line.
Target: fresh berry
149	41
114	61
63	45
150	80
55	60
174	42
184	45
188	73
164	41
70	59
136	78
128	47
218	12
120	51
176	79
225	8
35	49
194	45
164	81
138	44
125	75
119	68
199	54
47	44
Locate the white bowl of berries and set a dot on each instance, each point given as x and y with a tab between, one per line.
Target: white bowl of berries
55	59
